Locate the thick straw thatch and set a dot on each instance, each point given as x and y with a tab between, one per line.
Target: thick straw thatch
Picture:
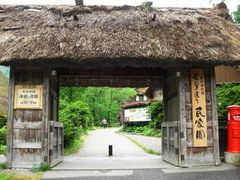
73	34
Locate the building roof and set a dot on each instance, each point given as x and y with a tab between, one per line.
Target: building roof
69	35
134	104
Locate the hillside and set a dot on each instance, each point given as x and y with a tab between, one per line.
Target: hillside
3	93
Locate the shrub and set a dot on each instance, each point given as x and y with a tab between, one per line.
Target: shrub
75	117
227	94
3	121
3	149
3	166
155	110
3	135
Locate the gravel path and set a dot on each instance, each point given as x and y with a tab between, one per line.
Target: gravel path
152	143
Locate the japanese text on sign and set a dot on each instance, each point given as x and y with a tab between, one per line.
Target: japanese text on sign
199	108
28	97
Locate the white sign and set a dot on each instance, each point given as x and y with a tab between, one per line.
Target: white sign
28	97
136	114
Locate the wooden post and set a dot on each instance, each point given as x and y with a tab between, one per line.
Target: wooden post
214	118
182	108
10	117
46	116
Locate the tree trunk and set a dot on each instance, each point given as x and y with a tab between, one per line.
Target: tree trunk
110	107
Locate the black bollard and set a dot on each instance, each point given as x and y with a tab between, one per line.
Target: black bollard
110	150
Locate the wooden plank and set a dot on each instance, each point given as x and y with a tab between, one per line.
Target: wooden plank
183	128
215	119
10	117
27	125
57	124
27	145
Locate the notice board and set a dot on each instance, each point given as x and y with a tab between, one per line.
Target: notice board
28	97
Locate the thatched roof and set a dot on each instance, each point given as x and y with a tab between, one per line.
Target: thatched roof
133	104
76	34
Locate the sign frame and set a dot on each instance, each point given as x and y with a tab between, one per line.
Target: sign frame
21	88
199	109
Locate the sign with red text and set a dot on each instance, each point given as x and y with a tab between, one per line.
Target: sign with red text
28	97
199	113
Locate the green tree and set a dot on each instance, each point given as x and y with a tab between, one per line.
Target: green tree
227	94
237	15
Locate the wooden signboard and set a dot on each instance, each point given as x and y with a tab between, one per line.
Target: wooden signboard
199	115
28	97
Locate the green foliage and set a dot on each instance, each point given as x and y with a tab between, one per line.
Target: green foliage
76	117
41	168
146	6
3	149
227	94
3	134
75	146
103	102
155	110
3	120
3	166
44	167
146	130
5	176
237	15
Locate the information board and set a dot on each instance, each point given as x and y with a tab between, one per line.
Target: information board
28	97
136	114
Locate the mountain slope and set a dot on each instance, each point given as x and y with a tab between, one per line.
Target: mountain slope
3	94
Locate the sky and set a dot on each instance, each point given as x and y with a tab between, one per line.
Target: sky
232	4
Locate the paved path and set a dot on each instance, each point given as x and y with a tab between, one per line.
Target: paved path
94	154
128	162
153	143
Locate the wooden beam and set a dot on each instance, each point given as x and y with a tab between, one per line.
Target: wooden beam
112	81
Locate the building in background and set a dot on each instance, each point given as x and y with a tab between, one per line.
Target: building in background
135	110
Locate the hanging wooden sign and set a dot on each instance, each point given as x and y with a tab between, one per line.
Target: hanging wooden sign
199	115
28	97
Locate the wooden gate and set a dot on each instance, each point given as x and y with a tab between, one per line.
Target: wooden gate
56	143
170	126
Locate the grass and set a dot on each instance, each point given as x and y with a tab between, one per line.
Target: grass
150	151
14	176
77	144
4	176
41	168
